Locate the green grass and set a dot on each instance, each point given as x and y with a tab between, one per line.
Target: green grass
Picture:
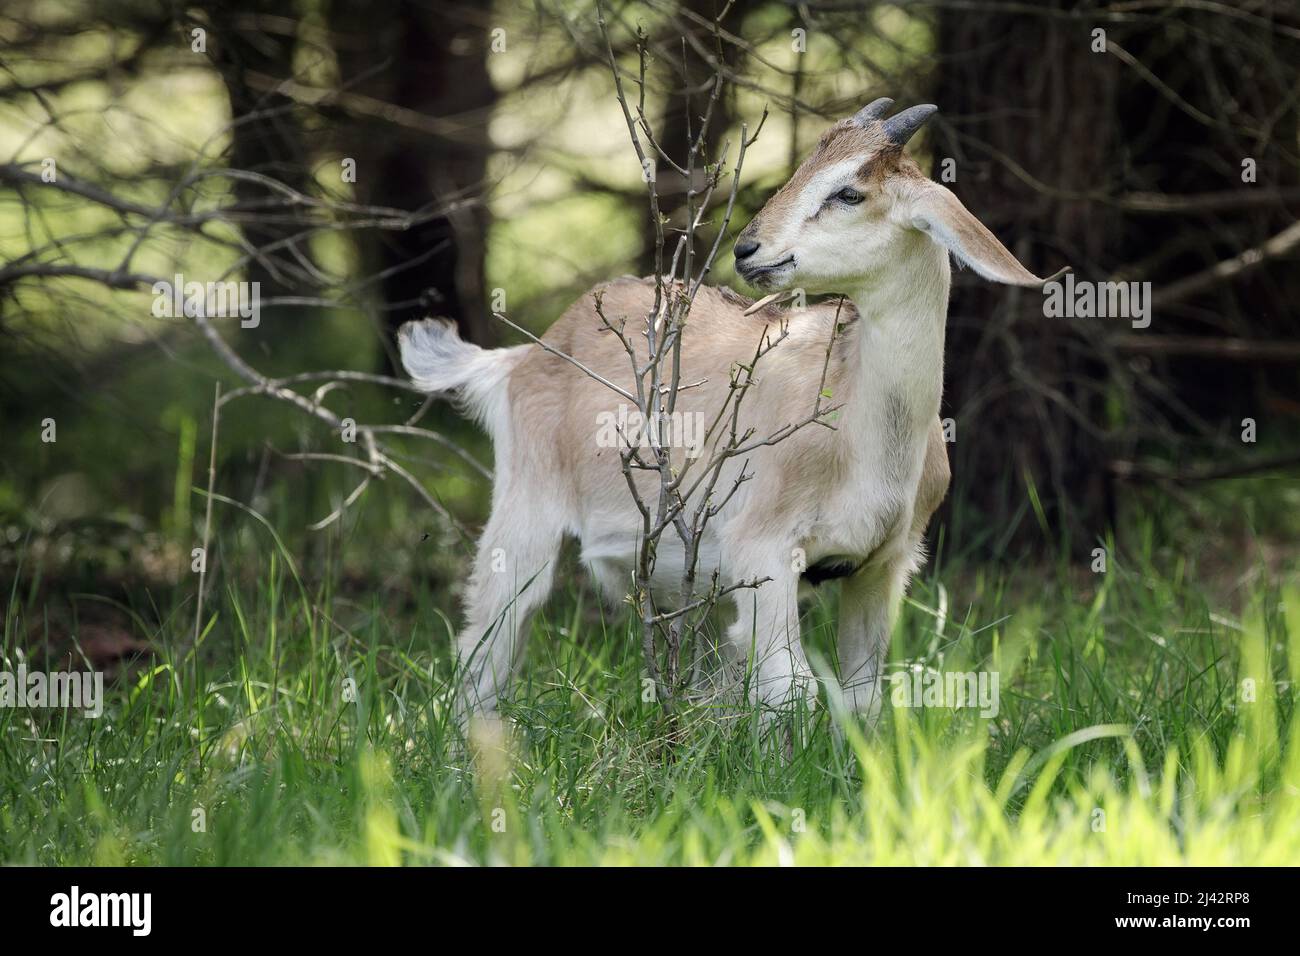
1123	737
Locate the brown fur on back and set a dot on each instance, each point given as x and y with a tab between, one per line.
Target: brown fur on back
545	388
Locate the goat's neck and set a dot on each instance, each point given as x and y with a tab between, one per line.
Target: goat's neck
903	310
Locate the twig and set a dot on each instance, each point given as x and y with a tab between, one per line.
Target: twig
207	510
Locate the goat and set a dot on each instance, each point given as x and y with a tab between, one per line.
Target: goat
857	218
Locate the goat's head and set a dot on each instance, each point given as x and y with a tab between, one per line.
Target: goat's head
853	207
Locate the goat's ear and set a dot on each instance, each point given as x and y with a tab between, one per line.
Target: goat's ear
940	214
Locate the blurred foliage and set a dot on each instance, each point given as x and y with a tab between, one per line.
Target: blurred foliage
123	99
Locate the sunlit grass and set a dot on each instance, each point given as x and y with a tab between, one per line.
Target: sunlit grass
1137	725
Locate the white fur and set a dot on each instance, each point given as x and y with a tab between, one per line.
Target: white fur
852	491
869	516
438	360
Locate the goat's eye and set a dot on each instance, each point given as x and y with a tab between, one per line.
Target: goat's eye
849	196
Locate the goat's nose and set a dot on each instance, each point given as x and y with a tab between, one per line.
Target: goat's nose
745	248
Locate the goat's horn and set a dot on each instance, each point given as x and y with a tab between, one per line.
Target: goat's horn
873	111
900	128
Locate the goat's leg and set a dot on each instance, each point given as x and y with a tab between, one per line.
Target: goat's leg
766	632
869	601
513	571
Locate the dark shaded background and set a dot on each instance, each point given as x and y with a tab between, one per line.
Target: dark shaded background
513	176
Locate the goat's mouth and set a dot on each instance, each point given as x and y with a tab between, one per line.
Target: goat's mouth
764	277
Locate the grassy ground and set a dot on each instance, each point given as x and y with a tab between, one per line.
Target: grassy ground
1125	735
1140	721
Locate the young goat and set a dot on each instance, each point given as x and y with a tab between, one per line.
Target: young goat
857	218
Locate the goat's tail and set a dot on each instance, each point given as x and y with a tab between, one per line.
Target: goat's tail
439	360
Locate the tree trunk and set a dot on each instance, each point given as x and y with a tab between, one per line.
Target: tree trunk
1025	92
430	58
1052	139
684	111
255	39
